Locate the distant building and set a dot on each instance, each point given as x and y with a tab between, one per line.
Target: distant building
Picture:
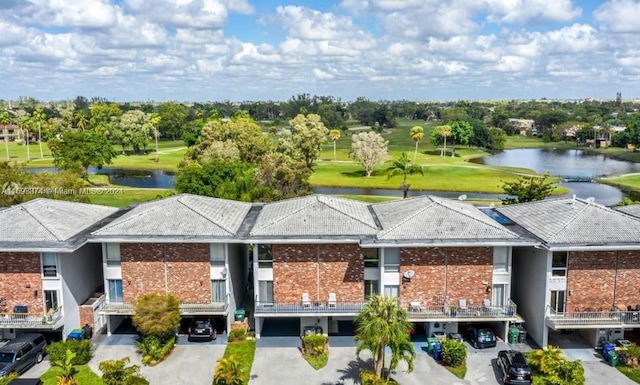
523	125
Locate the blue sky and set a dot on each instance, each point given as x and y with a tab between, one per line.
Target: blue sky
199	50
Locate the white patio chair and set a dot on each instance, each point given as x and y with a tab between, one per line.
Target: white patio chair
306	301
332	301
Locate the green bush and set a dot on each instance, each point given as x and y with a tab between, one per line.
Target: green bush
57	351
153	349
368	377
453	352
313	344
237	335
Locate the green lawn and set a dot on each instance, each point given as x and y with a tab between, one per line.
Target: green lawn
85	376
244	351
633	375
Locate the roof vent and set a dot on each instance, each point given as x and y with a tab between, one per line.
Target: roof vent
462	198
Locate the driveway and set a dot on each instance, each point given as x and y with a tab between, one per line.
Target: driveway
285	365
189	363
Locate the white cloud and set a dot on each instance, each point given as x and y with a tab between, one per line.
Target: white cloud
201	14
322	75
619	15
62	13
527	12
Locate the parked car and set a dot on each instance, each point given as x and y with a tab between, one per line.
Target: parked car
26	381
515	369
455	336
481	338
202	328
21	353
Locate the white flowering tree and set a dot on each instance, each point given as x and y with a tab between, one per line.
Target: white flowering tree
370	149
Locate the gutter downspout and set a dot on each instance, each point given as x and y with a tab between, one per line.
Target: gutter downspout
317	273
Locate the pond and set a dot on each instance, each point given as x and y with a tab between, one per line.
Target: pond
127	177
569	164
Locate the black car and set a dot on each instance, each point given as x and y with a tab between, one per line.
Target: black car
514	367
202	329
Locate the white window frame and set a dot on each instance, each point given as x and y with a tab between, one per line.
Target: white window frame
392	260
389	289
111	299
221	285
217	254
265	263
560	271
45	293
371	285
369	259
500	259
55	265
112	254
264	293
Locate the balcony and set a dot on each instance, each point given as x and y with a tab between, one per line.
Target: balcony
49	320
593	319
275	309
214	308
448	313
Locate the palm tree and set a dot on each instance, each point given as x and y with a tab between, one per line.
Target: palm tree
334	135
25	120
444	132
403	166
81	119
154	120
383	323
228	371
39	116
416	133
4	120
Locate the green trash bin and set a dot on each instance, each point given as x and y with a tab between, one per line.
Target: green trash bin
613	358
239	314
514	333
431	341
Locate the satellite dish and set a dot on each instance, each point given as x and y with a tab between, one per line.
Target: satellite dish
462	198
409	274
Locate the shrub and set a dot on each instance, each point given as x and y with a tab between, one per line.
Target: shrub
368	377
156	314
237	335
57	351
229	371
314	344
154	349
453	352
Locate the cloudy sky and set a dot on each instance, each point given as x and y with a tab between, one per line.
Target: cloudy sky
201	50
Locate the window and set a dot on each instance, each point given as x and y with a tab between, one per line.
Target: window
49	265
498	295
115	290
216	254
265	291
50	299
559	264
113	254
392	260
265	257
391	291
370	287
500	259
218	290
370	257
557	300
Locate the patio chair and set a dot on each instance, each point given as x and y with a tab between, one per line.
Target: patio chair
462	305
332	302
487	306
306	301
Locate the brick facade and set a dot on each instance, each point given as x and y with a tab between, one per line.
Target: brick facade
447	273
21	281
318	270
180	269
598	280
85	313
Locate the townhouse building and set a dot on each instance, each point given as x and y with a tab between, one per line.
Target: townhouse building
50	277
317	258
582	275
185	245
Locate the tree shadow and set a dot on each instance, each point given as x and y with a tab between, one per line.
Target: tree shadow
362	174
352	371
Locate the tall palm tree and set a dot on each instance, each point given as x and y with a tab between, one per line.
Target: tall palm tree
403	166
383	323
444	132
38	117
81	119
416	133
334	135
25	120
4	120
154	120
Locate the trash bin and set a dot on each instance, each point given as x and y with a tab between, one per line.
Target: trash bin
431	341
514	332
239	314
522	336
606	349
76	334
613	358
437	348
88	331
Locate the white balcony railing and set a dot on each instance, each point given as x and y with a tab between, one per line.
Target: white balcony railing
46	320
306	308
612	318
446	311
213	308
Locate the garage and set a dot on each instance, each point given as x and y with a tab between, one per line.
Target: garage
280	332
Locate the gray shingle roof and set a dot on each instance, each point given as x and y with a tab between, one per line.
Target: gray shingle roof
181	216
569	221
633	210
429	218
47	223
315	216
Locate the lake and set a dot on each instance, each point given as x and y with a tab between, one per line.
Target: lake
127	177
